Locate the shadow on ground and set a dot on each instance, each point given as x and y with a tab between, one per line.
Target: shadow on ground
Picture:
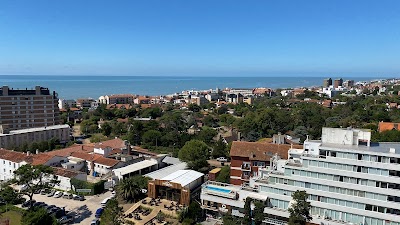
80	213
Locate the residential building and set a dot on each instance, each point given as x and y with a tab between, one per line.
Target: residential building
247	158
9	162
338	83
349	181
16	138
64	177
117	99
327	82
84	102
66	103
21	109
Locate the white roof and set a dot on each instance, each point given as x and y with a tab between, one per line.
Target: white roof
159	174
29	130
171	160
183	177
135	167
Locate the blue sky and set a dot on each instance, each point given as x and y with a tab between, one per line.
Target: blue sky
207	37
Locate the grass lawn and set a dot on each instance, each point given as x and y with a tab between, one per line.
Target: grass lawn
14	216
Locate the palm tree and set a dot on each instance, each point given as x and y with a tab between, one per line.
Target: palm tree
130	188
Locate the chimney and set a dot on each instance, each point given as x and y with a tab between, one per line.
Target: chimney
28	153
81	147
37	151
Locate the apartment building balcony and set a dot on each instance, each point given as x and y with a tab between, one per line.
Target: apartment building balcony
210	207
269	220
246	167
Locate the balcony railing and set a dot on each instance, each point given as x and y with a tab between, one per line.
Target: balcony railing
269	220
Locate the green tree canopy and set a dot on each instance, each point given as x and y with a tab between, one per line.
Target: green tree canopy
35	178
38	216
112	214
300	209
195	153
130	189
224	175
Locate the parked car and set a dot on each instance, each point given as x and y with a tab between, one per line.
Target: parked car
67	195
113	193
95	222
99	211
222	159
51	193
78	197
39	204
58	194
27	203
66	219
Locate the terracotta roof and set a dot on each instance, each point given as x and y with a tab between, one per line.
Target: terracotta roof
384	126
39	159
86	156
106	161
12	155
115	143
116	151
122	96
68	151
122	120
119	106
65	173
143	151
260	150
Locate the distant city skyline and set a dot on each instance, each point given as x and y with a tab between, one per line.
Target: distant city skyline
200	38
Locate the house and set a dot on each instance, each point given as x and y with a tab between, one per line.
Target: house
117	99
142	100
9	162
64	177
248	158
98	165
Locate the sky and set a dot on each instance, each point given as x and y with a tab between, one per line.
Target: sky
200	38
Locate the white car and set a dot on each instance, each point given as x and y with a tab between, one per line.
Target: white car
58	194
222	159
113	194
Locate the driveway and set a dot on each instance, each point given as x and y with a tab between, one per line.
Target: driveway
83	210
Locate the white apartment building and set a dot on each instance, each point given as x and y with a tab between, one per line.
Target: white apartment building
19	137
9	162
349	180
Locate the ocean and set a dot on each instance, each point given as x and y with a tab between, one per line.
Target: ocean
73	87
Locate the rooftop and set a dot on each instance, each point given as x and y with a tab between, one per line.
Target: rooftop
260	150
65	173
29	130
135	167
12	156
183	177
158	174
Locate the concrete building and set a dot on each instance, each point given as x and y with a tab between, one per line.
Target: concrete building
84	102
64	177
21	109
349	180
327	82
117	99
16	138
338	83
9	162
64	103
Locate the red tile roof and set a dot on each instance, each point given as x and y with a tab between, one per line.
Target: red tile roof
115	143
260	150
12	155
65	152
65	173
384	126
107	161
96	158
39	159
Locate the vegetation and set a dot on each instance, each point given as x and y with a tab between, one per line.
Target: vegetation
300	209
35	178
190	215
11	196
38	216
195	153
224	175
40	146
97	188
112	214
130	189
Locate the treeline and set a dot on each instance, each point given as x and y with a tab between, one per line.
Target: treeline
42	146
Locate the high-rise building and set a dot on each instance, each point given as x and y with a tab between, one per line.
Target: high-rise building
21	109
327	82
349	181
338	83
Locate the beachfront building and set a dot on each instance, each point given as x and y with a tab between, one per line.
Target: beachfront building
21	109
349	180
17	138
117	99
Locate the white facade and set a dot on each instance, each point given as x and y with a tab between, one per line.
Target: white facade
348	181
7	169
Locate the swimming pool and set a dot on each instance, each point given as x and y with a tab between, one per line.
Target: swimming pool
227	191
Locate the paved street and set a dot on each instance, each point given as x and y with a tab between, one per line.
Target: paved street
83	210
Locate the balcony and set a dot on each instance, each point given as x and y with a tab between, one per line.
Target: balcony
245	177
246	167
269	220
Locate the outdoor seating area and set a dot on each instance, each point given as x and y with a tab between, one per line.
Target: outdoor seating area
148	211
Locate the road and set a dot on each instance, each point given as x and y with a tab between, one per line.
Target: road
83	210
214	162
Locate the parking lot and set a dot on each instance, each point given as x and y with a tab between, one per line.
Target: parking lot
82	210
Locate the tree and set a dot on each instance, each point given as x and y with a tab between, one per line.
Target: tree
37	216
207	134
300	209
194	107
247	212
106	129
195	153
224	175
151	138
11	196
230	220
35	178
220	149
258	212
130	188
112	214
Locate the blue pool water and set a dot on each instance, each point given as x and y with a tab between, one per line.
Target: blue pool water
227	191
